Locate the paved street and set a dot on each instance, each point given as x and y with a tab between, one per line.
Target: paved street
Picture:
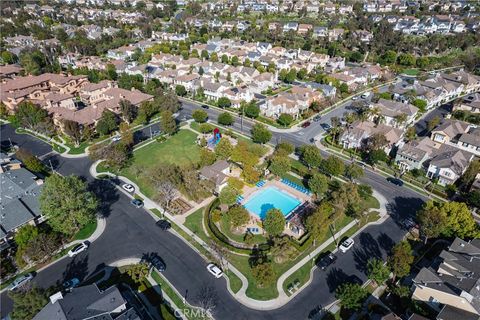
131	232
440	112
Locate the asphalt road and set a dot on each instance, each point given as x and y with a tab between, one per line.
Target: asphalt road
421	126
131	232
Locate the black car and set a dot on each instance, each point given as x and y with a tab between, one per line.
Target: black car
326	260
204	106
395	181
137	203
325	126
164	224
158	263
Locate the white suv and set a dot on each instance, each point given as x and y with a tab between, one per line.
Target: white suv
77	249
346	245
213	269
20	281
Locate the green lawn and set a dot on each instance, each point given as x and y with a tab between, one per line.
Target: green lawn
411	72
194	223
180	149
86	231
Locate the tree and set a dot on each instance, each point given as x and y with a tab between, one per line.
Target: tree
113	155
30	115
406	59
27	303
29	160
126	134
401	259
167	122
410	134
377	271
200	115
128	110
138	272
375	156
223	149
432	123
285	119
353	171
263	274
251	110
228	195
67	203
40	248
420	104
238	216
318	183
260	133
311	156
351	295
274	222
73	130
207	157
206	128
224	102
107	123
432	220
180	90
279	165
225	119
166	193
284	148
333	166
25	234
318	221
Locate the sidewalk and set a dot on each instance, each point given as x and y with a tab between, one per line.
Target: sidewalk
241	295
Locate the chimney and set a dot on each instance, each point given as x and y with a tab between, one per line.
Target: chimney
57	296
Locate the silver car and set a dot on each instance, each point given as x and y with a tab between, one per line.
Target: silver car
20	281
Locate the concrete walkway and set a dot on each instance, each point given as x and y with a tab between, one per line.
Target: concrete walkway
241	295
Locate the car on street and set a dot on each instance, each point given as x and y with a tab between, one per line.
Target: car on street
137	203
78	249
70	284
365	95
395	181
317	118
155	133
306	124
325	126
346	245
355	98
163	224
326	260
213	269
128	187
300	133
158	263
20	281
204	106
116	138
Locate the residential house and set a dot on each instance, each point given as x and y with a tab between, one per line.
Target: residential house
188	81
393	113
358	133
88	302
19	204
448	166
121	53
470	103
304	28
415	154
290	26
10	71
451	282
213	90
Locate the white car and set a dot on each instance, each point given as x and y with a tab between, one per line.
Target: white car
20	281
77	249
365	95
213	269
116	138
346	245
128	187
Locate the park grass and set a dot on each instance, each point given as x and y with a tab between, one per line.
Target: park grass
411	72
77	150
194	222
180	149
86	231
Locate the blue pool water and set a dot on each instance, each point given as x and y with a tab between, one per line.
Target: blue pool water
269	198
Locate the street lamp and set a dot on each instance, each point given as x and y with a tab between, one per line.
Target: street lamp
333	235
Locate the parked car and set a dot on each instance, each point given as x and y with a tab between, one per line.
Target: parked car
70	284
306	124
78	249
164	224
116	138
355	98
395	181
346	245
204	106
365	95
158	263
155	133
327	260
20	281
213	269
317	118
128	187
325	126
137	203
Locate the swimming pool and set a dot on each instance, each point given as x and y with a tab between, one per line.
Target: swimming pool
268	198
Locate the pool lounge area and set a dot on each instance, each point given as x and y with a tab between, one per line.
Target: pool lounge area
271	197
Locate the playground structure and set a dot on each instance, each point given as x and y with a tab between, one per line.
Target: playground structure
212	142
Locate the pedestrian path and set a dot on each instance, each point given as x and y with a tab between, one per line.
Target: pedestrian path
241	295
